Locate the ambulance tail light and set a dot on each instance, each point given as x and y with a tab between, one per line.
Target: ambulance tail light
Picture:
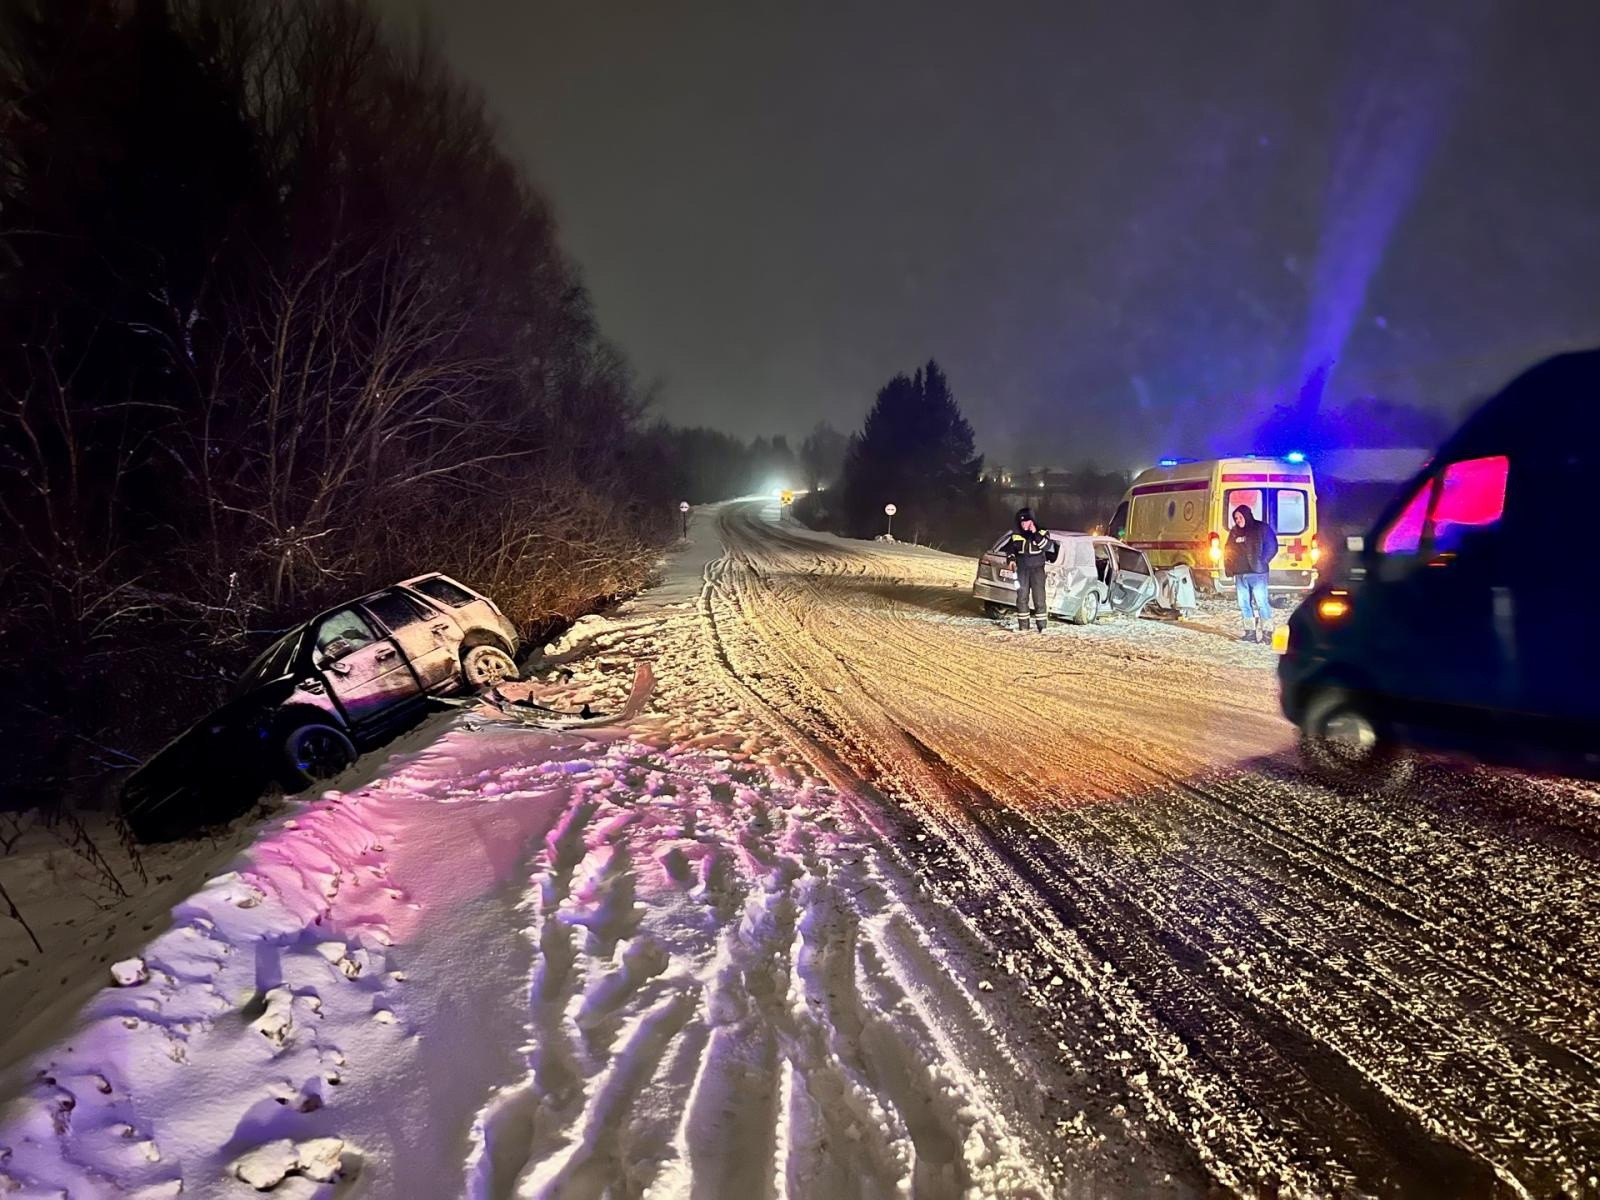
1216	548
1316	551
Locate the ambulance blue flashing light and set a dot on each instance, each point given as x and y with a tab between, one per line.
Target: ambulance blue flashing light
1294	456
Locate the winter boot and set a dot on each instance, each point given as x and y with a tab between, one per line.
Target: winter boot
1264	634
1249	635
1040	624
1022	624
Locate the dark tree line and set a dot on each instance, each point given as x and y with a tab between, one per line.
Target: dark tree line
706	465
281	321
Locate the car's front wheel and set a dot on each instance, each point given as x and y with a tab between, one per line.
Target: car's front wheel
315	752
485	666
1344	742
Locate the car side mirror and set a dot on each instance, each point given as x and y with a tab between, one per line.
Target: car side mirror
1355	543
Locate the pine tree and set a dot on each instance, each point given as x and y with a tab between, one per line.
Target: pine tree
916	451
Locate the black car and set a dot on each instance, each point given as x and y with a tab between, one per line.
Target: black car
1462	622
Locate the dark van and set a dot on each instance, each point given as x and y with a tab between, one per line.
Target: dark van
1464	622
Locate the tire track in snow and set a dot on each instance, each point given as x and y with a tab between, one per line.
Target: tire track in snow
1504	1022
680	1037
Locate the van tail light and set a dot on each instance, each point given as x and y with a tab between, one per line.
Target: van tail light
1216	548
1316	551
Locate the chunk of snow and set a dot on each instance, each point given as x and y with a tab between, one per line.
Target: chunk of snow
583	629
130	972
320	1158
266	1166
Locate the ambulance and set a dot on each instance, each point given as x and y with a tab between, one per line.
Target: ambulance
1179	512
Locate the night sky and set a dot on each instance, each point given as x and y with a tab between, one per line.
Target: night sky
1120	227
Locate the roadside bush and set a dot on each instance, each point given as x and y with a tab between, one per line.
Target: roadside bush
282	323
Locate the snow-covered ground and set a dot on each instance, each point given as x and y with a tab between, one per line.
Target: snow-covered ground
668	960
879	900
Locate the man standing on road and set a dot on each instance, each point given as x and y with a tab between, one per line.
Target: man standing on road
1029	548
1252	544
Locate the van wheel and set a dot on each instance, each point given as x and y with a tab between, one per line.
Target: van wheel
1202	580
1089	610
1347	746
312	753
485	666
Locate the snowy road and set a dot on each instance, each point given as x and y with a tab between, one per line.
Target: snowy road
1223	963
880	901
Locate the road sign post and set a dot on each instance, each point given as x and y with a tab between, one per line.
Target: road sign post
683	507
889	511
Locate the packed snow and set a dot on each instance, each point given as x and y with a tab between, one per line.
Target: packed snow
879	899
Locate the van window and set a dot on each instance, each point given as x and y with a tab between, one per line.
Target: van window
1291	512
1404	535
1472	495
1119	521
1285	509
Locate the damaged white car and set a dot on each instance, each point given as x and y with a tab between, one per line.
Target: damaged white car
1091	576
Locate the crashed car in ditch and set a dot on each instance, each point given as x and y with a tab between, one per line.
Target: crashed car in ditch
339	683
1092	576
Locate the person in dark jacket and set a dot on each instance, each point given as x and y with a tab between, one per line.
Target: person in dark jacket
1028	549
1252	545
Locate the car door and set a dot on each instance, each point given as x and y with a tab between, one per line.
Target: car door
1133	583
427	638
363	670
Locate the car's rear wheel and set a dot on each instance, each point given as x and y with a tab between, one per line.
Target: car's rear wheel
315	752
1088	609
1344	742
993	611
485	666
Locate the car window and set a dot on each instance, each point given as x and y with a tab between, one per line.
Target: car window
1132	561
999	545
273	662
445	591
1471	495
396	610
343	633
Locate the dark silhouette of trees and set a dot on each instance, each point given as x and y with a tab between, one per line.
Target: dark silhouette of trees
822	456
281	322
915	450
